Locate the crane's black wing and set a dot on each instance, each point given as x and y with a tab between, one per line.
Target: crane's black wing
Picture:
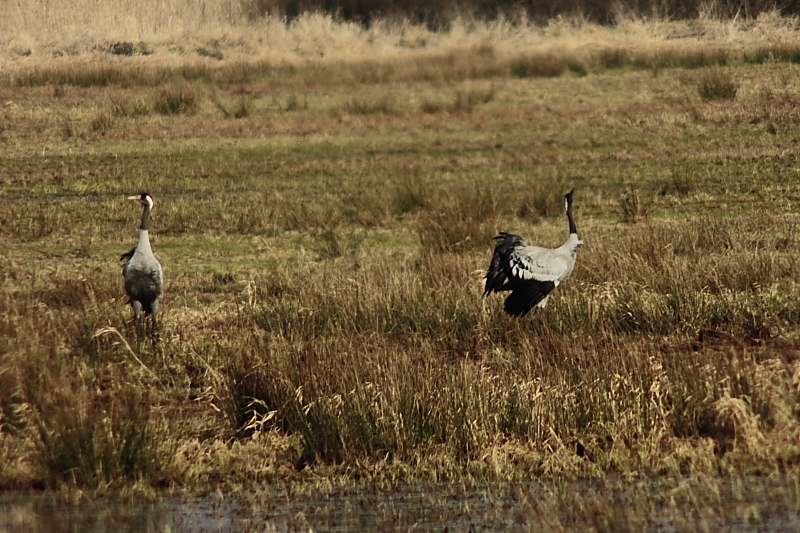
499	277
525	295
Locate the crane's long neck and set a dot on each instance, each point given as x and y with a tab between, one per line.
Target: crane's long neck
572	227
573	244
144	235
145	216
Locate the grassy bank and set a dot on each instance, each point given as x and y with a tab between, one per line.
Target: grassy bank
324	225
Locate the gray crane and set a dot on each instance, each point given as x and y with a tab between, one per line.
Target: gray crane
142	271
530	272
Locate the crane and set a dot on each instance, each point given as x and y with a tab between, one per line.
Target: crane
142	271
531	272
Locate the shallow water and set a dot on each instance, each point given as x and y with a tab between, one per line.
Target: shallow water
734	505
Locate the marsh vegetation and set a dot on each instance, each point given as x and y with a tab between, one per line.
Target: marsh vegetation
324	221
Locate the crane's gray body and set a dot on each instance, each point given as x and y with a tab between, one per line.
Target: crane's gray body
530	272
143	278
142	271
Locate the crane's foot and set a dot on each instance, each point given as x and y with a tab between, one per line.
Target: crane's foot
155	334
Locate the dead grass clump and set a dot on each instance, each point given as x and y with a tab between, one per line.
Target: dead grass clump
367	207
293	104
310	215
360	106
405	302
68	128
83	408
464	100
90	440
460	221
787	52
543	197
682	182
213	54
736	417
101	73
688	58
631	208
29	221
432	107
102	122
469	63
174	100
717	84
540	65
472	63
210	464
329	244
395	412
682	279
412	193
114	73
242	108
693	59
369	72
610	58
130	107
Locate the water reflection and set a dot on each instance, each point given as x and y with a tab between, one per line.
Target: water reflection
691	504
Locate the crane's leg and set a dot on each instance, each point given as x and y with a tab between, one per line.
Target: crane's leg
154	314
137	309
137	319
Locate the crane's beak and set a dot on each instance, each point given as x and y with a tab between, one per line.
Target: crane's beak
137	198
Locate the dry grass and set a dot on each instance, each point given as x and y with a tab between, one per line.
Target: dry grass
220	43
717	84
176	100
403	364
324	235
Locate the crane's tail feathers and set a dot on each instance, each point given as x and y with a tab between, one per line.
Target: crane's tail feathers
497	277
508	240
523	298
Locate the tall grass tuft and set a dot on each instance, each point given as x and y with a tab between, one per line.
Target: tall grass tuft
412	193
466	99
543	197
717	84
173	100
682	181
84	406
632	208
360	106
130	107
540	65
460	221
102	122
89	440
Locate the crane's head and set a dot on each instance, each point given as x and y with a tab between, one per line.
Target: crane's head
145	199
568	200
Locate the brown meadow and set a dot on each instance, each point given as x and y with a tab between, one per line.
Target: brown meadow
324	224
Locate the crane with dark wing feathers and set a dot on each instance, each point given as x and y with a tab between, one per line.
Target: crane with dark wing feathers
142	271
531	272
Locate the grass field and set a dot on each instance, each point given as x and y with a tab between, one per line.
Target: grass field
325	222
